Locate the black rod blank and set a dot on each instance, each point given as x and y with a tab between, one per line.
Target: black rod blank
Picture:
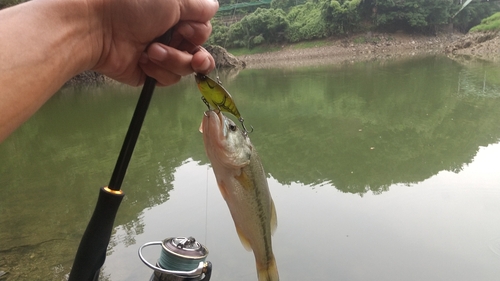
135	126
91	252
132	134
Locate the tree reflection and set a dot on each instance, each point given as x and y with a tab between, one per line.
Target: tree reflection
361	128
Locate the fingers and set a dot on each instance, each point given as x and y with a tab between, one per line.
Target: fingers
194	32
167	64
198	10
202	61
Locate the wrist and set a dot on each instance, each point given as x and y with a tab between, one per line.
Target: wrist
95	34
76	44
84	35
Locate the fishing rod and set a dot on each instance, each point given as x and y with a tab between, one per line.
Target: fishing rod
91	252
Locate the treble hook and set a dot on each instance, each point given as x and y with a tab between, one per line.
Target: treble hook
245	130
205	102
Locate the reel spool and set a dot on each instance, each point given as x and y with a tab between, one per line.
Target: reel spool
181	259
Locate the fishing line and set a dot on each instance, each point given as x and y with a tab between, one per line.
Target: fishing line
217	67
206	207
225	44
168	260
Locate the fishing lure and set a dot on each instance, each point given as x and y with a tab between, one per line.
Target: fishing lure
213	94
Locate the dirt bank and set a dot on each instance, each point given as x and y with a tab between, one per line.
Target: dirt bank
358	48
484	46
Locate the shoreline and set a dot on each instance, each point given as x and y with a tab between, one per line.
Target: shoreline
376	46
358	48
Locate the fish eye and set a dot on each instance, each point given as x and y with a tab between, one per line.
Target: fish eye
233	127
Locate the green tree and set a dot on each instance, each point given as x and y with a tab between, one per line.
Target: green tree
473	14
220	33
269	25
438	13
237	36
342	16
400	14
306	23
320	18
412	15
488	24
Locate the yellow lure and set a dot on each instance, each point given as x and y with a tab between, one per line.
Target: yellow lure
215	95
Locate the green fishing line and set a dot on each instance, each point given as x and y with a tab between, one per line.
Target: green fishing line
182	254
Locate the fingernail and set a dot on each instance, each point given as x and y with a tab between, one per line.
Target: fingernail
144	58
186	30
204	67
157	53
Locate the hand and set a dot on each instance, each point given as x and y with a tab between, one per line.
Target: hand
128	27
46	42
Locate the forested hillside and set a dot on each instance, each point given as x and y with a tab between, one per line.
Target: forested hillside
288	21
248	23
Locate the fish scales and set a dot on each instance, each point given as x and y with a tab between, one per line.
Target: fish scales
243	185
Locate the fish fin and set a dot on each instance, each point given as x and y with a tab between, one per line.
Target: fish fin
222	189
268	272
244	240
274	218
244	180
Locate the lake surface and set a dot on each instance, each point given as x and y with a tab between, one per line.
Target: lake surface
378	170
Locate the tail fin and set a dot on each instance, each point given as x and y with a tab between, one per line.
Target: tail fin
270	273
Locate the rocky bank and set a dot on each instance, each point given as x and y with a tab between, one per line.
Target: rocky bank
362	47
378	46
481	45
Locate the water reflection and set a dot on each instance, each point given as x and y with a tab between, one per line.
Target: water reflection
366	127
358	128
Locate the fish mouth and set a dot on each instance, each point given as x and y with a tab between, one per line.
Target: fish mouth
213	125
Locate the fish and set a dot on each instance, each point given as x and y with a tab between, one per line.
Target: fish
217	97
243	184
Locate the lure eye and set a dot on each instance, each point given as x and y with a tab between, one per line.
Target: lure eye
233	127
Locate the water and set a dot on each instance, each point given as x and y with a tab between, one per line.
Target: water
378	170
